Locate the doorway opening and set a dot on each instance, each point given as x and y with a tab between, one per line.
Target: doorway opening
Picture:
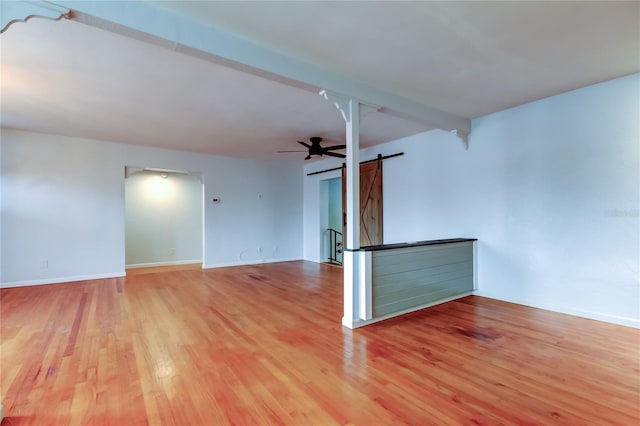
163	219
331	220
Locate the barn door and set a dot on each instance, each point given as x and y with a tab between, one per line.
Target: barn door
370	203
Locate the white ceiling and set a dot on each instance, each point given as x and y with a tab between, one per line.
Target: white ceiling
466	58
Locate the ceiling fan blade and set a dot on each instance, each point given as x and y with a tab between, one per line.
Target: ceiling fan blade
334	147
308	157
293	151
304	144
335	154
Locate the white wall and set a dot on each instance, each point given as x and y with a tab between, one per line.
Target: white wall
63	201
163	219
551	190
557	187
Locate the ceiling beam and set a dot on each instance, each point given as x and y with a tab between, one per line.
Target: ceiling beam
151	23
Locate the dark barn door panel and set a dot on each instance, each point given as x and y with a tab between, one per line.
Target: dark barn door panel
370	203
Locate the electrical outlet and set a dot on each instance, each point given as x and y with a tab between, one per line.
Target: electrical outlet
45	264
259	249
172	251
275	249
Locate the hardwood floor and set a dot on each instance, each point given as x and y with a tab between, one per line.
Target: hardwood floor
263	345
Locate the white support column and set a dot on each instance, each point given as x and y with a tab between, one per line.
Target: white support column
350	110
352	274
355	293
353	175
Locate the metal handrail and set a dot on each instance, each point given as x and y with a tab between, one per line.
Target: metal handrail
335	246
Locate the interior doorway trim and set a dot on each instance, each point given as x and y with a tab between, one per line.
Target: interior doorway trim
164	173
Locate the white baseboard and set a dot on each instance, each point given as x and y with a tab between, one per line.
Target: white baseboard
599	316
171	263
248	262
59	280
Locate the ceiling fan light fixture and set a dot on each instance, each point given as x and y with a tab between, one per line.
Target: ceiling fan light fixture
316	149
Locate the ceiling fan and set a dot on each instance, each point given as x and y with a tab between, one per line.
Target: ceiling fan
316	149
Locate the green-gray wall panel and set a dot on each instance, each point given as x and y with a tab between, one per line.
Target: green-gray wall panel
410	277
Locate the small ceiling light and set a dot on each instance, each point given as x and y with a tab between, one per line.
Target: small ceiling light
164	175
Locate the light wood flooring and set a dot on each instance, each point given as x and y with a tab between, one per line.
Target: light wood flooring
263	345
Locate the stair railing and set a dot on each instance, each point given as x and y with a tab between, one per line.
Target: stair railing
335	246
